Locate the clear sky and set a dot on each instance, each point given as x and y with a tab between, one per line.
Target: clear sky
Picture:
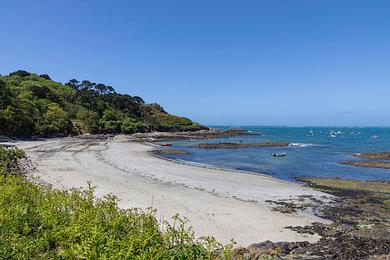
274	62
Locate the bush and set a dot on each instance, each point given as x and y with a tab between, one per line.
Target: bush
54	120
130	126
9	159
111	121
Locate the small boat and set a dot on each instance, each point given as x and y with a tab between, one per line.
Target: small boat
279	154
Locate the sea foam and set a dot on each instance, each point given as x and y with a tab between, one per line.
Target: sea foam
300	145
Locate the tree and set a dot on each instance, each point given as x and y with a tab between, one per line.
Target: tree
111	120
92	122
139	100
74	83
110	90
45	76
5	94
101	89
56	120
87	85
20	73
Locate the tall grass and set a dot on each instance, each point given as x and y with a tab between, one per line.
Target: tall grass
41	222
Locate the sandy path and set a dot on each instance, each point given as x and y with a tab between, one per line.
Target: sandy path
219	203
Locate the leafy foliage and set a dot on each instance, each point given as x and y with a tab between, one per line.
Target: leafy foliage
9	159
41	222
36	105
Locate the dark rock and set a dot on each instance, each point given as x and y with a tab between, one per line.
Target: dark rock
169	152
263	245
241	253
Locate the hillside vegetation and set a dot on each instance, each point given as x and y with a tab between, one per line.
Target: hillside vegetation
33	104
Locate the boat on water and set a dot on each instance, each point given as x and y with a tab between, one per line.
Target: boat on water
279	154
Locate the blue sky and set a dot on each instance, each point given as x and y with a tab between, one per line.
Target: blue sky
279	62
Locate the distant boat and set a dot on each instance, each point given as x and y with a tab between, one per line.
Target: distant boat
374	137
332	136
279	154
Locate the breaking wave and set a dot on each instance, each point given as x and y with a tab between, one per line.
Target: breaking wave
301	145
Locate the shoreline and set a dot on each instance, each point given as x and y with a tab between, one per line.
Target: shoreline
297	180
218	202
219	168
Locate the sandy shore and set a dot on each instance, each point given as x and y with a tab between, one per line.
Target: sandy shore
224	204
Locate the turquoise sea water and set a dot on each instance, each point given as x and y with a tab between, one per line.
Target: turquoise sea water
315	151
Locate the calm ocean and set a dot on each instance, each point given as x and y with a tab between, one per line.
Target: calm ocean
315	151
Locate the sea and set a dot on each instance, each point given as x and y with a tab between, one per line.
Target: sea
313	151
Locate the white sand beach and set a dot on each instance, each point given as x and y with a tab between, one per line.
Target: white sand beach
224	204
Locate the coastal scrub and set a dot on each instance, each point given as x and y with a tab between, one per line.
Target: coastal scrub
41	222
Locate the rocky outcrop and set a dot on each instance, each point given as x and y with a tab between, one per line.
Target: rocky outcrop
360	228
369	164
382	155
195	135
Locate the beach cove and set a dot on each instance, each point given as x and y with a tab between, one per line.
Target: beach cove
220	203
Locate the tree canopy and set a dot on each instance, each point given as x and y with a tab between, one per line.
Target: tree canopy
32	104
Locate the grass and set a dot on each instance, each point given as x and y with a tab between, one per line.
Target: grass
41	222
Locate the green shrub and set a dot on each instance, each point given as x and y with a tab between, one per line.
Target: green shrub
111	120
45	223
130	126
9	159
